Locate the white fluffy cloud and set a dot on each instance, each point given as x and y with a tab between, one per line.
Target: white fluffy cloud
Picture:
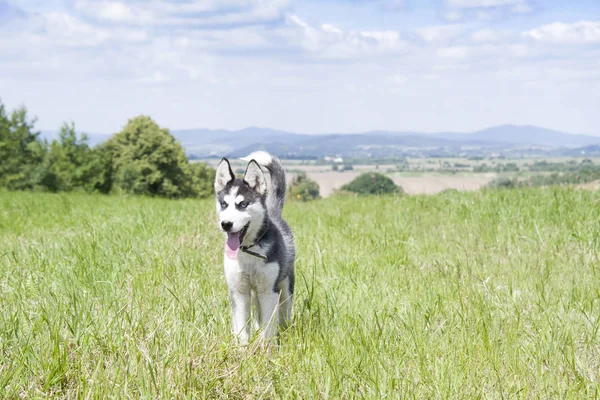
332	42
558	32
183	13
484	10
232	63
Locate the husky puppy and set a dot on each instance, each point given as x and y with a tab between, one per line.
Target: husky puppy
259	249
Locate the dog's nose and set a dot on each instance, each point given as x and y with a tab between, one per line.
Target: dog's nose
226	225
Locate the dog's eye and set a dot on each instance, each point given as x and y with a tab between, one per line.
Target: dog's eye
243	204
223	204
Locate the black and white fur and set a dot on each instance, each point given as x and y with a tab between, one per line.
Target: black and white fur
250	213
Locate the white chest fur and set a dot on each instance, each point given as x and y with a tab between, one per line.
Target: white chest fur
249	273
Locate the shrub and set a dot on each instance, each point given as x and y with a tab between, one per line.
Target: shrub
503	182
372	183
347	167
21	151
202	177
68	161
303	188
148	160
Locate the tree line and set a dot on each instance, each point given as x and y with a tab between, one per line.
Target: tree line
141	159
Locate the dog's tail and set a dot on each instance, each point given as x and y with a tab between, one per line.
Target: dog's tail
276	194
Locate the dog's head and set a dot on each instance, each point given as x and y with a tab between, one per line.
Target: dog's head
240	204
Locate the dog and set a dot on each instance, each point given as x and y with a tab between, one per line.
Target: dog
259	251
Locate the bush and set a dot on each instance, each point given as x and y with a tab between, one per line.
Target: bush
303	188
347	167
373	183
148	160
67	165
335	167
21	150
202	177
503	182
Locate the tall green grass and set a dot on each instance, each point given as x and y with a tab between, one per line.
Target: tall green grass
494	294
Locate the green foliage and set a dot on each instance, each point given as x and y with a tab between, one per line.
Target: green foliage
202	177
21	151
503	182
347	167
147	160
67	165
503	167
100	169
373	183
142	159
335	167
303	188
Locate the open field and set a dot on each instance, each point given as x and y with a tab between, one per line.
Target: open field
424	183
488	294
424	175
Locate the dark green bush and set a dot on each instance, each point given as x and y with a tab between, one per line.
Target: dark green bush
303	188
503	182
22	151
372	183
148	160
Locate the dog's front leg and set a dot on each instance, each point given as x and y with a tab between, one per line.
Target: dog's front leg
268	303
240	312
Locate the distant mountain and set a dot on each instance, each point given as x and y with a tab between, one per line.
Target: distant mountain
349	145
511	140
526	135
379	144
209	142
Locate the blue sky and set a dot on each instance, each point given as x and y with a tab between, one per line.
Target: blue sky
306	65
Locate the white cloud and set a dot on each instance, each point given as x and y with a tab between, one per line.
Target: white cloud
115	11
330	41
486	36
558	32
441	33
273	67
521	8
484	10
184	13
484	3
454	52
453	16
70	30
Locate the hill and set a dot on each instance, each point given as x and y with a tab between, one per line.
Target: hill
527	135
510	140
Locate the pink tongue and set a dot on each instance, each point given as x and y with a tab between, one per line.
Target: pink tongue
233	245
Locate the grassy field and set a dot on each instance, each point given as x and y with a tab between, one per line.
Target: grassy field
491	294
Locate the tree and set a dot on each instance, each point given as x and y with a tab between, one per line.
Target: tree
100	170
202	177
303	188
67	164
21	151
373	183
146	159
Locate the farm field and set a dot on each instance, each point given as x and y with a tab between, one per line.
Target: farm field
487	294
423	175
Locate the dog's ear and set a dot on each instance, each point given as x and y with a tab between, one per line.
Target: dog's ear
224	175
255	178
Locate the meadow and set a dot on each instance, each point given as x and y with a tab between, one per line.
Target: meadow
487	294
